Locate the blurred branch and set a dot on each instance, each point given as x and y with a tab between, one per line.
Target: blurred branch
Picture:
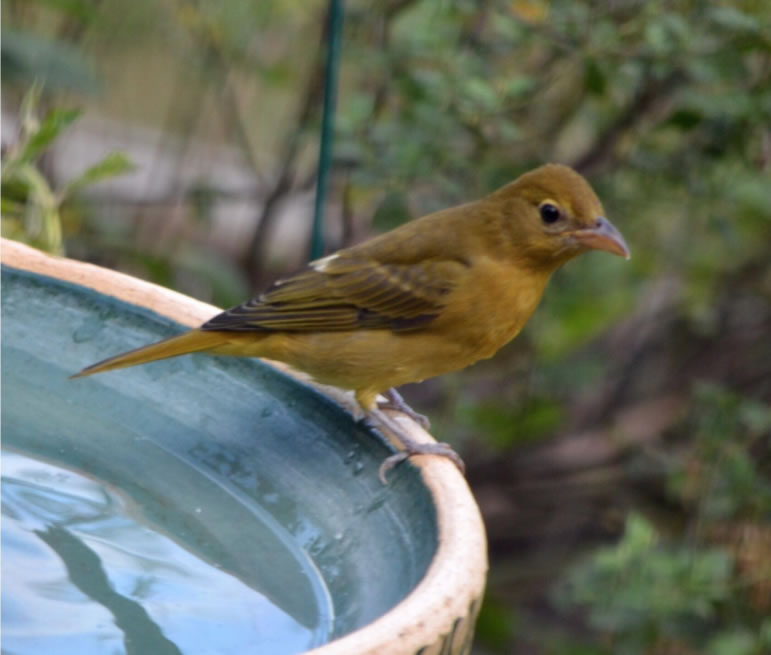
234	119
182	116
211	45
184	113
284	182
650	96
471	35
390	12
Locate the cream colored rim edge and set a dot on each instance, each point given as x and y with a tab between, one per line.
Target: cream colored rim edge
456	576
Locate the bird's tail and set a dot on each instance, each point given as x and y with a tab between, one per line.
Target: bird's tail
189	342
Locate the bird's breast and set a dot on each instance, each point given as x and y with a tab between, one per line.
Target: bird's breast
493	306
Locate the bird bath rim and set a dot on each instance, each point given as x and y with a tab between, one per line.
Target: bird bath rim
438	615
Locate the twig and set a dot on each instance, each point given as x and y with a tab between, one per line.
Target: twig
650	95
252	261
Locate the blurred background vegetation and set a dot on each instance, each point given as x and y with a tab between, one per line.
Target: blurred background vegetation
620	449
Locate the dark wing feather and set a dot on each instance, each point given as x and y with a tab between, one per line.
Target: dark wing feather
346	292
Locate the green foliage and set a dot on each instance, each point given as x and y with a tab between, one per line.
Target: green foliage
664	105
741	641
719	476
642	590
391	211
505	426
648	589
495	625
40	137
114	164
461	98
31	208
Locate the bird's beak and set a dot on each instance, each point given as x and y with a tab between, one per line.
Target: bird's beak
603	236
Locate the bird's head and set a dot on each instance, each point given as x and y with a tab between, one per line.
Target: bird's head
556	215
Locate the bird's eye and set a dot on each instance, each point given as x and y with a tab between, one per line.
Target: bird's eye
549	213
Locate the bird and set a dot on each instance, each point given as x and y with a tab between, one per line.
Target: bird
433	295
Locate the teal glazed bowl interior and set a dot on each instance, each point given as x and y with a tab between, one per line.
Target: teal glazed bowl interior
193	505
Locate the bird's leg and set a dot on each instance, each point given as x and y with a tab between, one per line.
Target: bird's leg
411	447
395	401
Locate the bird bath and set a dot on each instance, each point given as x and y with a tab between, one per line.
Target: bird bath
205	504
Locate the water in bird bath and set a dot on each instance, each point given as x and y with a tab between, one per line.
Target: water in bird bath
203	503
85	572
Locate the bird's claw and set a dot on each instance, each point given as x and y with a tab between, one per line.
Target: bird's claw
420	419
389	463
441	449
395	401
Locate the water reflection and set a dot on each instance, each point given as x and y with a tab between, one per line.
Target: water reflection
82	574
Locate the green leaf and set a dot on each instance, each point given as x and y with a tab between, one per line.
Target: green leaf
685	119
391	212
643	586
42	219
481	94
594	78
496	625
40	192
116	163
764	634
737	642
53	124
733	19
10	207
504	425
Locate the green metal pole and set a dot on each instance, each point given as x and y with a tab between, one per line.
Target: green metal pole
334	38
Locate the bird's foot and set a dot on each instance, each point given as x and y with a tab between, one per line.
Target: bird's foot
395	401
409	445
441	449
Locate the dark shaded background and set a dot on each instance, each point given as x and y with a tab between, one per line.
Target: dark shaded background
619	448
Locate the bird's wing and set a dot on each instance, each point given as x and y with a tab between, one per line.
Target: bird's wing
347	291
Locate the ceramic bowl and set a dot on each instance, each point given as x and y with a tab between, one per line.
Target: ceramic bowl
244	467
